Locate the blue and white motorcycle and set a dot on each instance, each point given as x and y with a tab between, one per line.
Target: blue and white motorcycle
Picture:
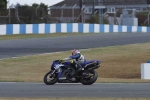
63	71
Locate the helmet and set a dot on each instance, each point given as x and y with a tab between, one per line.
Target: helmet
75	51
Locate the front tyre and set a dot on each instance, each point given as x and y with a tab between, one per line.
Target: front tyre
90	78
50	79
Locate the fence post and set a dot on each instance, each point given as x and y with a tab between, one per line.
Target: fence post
73	12
62	11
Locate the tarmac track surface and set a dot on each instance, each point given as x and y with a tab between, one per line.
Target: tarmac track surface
103	90
22	47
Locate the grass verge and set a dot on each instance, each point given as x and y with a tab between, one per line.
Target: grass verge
27	36
119	64
74	98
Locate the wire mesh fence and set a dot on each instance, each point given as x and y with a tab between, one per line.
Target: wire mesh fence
68	11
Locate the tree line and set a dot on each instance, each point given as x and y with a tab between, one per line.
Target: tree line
3	4
19	14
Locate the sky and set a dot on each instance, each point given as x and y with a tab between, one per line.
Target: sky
30	2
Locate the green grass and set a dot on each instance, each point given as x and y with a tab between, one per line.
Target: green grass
119	64
74	98
26	36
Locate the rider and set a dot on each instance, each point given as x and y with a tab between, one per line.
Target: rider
79	59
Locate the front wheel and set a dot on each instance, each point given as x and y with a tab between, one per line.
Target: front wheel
89	77
50	79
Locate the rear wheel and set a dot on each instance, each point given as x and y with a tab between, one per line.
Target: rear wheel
50	79
89	77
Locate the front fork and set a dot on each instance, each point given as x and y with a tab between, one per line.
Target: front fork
52	73
58	71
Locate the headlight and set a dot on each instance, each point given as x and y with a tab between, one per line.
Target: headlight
57	66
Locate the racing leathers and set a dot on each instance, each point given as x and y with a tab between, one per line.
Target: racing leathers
79	60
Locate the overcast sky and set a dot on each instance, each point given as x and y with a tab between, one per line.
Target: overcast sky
30	2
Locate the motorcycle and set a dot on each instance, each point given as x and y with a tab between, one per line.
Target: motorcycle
64	71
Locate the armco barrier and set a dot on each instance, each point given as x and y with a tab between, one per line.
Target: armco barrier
67	28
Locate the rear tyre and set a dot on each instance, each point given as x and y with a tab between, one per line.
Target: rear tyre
89	79
50	79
